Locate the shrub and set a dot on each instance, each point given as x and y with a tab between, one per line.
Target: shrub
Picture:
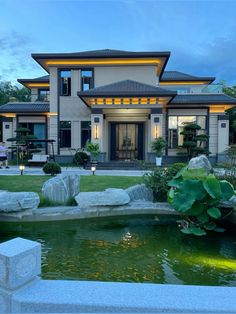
158	145
52	168
93	149
80	158
158	180
197	195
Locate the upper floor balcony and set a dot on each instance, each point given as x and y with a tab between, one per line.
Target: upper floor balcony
40	97
195	89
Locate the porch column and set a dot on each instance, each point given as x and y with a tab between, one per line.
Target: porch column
97	130
223	133
156	126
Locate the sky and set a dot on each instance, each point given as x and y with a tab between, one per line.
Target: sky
201	35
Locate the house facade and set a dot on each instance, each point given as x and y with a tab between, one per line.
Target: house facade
121	100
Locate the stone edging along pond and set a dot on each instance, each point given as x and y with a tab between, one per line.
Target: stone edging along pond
74	212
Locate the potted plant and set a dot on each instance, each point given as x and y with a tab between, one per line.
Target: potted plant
157	146
93	149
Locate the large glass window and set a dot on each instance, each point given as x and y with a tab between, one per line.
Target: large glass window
37	129
65	79
87	79
85	132
65	134
176	127
43	94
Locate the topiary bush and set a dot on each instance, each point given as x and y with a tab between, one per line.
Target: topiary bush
158	180
52	168
197	196
80	158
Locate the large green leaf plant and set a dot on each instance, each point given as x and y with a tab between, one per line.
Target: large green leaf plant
197	196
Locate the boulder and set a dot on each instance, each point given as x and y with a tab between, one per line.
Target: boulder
109	197
18	201
200	162
140	192
61	188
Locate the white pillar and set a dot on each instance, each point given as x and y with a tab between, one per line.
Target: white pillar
223	134
20	265
97	135
156	126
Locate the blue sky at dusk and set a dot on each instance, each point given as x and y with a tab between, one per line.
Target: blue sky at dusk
201	35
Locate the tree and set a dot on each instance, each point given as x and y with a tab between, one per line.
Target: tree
194	142
8	91
231	91
19	147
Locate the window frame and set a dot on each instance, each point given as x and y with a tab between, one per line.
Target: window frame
61	82
81	78
203	130
61	132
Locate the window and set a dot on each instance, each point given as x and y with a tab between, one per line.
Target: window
37	129
85	132
176	127
65	134
87	79
43	95
65	79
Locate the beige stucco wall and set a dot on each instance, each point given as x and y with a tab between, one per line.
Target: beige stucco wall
108	75
213	133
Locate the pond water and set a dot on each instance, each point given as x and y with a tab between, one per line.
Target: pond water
137	249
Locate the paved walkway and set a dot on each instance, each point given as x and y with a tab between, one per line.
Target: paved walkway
14	170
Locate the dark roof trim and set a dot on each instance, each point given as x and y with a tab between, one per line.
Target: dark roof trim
23	107
102	54
127	88
200	99
177	76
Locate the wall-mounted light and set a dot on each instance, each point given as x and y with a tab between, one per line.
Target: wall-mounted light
156	130
96	132
22	168
93	169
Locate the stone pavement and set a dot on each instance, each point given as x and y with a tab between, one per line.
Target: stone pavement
14	170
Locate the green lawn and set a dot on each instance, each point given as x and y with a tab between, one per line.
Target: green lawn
88	183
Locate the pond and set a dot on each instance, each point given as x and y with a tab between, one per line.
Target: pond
140	249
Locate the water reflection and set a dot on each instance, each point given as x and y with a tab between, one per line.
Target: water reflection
137	250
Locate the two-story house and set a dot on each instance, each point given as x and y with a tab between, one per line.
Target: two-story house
121	100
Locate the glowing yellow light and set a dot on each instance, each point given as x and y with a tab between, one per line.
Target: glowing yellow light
108	101
9	115
100	101
96	131
135	101
157	131
50	114
184	83
152	101
117	101
37	84
143	101
102	61
126	101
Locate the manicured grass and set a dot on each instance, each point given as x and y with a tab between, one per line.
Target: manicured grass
100	183
88	183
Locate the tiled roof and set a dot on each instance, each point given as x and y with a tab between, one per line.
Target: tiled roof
21	107
203	99
180	76
127	88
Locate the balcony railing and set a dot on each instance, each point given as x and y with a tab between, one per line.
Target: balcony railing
195	89
37	97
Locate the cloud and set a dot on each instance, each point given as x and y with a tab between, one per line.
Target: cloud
15	56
